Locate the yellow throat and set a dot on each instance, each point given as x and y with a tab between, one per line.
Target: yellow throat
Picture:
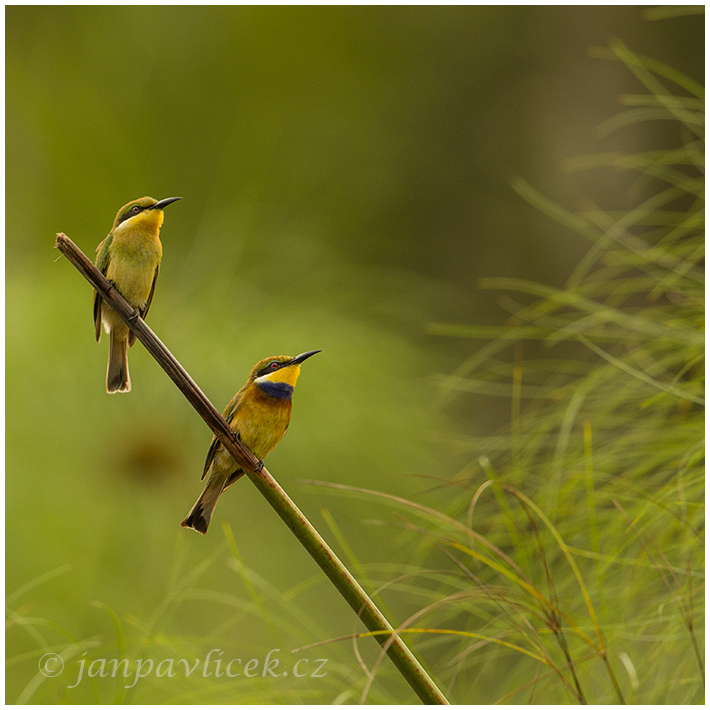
146	221
287	375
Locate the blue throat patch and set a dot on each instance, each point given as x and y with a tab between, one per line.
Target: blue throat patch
280	390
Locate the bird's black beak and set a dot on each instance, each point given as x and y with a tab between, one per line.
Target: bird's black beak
303	356
164	203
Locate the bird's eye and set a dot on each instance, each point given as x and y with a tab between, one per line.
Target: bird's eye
274	366
136	209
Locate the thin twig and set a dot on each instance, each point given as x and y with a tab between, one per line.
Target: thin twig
308	536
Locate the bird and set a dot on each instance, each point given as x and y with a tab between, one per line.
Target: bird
260	414
129	257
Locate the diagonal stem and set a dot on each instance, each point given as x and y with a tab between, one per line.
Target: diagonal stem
308	536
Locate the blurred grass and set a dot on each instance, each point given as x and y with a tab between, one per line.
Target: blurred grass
575	538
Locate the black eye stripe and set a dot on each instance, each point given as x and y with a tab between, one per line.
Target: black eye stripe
271	367
136	209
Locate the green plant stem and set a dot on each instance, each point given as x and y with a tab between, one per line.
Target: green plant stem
308	536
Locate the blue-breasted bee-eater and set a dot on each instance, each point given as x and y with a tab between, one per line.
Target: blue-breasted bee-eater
259	413
129	257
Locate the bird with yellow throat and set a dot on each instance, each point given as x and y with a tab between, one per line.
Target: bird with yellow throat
129	257
260	414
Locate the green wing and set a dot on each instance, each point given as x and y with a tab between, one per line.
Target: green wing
214	445
144	311
231	409
228	414
102	261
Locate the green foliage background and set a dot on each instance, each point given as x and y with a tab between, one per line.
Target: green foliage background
346	175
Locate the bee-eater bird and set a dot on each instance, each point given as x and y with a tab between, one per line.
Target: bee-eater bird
259	413
129	257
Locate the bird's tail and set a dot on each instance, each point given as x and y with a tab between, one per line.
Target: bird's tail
117	378
201	514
